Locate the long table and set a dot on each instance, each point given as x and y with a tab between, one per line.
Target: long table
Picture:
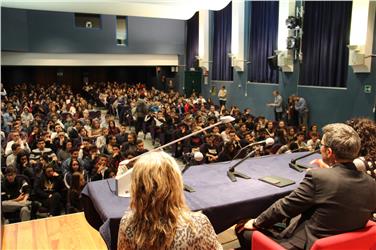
222	201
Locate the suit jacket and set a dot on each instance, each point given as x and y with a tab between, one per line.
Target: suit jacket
278	101
331	201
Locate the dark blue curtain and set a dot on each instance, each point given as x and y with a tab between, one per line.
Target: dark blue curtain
222	69
326	33
192	41
263	40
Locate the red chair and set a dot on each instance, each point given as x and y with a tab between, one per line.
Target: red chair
362	239
262	242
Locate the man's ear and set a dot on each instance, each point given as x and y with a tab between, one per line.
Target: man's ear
329	151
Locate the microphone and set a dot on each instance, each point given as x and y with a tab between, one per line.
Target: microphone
231	173
298	167
268	142
197	156
122	170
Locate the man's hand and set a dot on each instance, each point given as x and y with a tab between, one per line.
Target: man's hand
249	224
20	197
319	162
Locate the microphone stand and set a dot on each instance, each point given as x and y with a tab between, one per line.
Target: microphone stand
225	119
298	167
232	174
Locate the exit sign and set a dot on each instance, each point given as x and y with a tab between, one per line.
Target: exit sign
367	89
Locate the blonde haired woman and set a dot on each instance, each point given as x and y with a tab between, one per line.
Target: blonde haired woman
159	217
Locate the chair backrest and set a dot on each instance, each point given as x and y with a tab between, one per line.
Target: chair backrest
364	239
262	242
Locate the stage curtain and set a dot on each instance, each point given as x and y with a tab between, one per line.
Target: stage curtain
326	34
222	69
263	40
192	41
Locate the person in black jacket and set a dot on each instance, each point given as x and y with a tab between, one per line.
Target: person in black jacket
327	202
15	193
48	190
77	184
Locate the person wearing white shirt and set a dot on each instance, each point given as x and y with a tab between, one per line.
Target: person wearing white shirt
16	138
313	143
277	105
222	96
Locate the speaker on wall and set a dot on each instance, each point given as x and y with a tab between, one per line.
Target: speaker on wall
273	62
89	24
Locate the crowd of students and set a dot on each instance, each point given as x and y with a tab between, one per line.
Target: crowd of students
54	140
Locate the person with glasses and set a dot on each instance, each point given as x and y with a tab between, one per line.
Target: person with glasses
327	202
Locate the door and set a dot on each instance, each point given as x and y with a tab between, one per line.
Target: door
193	82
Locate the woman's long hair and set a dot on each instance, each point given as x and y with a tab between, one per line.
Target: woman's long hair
157	201
366	130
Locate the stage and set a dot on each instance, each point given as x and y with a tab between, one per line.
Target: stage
61	232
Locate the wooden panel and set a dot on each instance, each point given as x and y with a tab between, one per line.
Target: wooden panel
62	232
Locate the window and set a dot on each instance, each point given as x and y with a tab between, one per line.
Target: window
88	21
121	31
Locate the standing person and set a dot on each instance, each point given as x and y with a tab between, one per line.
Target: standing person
322	199
159	217
141	112
302	108
277	105
292	114
222	96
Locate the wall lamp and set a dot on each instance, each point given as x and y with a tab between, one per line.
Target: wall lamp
285	60
237	64
358	60
203	64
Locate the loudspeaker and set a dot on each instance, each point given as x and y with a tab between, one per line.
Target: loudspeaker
89	24
273	62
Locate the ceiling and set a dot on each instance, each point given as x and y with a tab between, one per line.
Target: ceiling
173	9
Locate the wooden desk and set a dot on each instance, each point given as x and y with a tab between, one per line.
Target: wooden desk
61	232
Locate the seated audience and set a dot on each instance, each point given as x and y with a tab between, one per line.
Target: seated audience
366	129
77	184
49	191
15	191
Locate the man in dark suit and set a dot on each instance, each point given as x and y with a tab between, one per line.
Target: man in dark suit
327	202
